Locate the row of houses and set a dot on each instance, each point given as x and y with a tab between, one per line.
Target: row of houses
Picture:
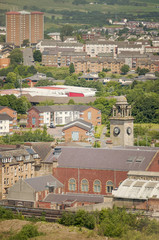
96	55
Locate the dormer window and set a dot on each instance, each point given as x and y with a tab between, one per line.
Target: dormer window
19	158
27	157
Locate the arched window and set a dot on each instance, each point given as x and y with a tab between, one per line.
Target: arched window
84	185
97	186
109	186
72	184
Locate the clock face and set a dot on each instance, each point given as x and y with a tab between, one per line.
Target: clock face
129	130
116	131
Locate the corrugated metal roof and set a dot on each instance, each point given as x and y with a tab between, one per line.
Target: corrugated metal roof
138	189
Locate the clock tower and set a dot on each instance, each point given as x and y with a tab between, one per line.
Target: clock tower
121	124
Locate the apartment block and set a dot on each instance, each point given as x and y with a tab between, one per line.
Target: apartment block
15	164
97	64
24	25
62	114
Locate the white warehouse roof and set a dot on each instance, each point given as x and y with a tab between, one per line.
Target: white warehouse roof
137	189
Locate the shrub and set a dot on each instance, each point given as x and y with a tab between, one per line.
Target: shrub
67	219
6	214
28	231
81	218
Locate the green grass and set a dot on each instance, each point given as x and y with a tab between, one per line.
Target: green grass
151	126
58	5
99	130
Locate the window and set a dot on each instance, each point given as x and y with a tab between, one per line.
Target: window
33	121
97	186
27	157
75	136
15	171
84	185
109	186
26	167
72	184
89	115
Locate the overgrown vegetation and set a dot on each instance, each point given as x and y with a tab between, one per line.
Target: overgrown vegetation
28	136
28	231
115	223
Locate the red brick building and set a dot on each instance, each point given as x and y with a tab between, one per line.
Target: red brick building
99	171
78	130
24	25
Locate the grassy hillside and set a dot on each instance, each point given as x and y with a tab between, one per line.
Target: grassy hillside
59	12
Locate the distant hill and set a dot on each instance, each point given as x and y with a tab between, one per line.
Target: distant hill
85	12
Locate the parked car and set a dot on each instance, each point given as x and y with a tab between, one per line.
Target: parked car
52	125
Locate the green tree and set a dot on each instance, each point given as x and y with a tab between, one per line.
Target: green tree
125	69
16	56
11	77
71	102
71	68
142	71
25	43
102	75
66	30
32	70
37	56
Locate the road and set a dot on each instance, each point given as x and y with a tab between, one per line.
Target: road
28	57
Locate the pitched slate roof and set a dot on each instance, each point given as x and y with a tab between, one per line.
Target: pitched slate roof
40	183
58	108
5	116
78	123
114	159
42	148
43	108
61	198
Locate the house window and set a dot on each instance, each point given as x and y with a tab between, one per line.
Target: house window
26	167
33	121
84	185
72	184
89	115
75	136
109	186
97	186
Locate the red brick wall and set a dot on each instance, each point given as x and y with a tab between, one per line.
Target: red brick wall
82	134
95	113
64	174
154	166
33	113
4	62
42	195
43	204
